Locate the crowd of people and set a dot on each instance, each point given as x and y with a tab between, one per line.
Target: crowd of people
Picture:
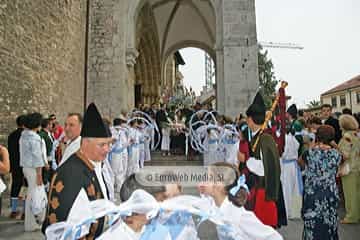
306	177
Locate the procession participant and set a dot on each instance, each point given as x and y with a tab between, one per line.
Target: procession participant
264	165
231	144
211	154
229	200
81	170
149	139
295	126
32	160
179	225
244	149
161	117
328	119
321	196
291	177
55	127
141	134
47	137
349	147
165	133
133	149
72	130
178	139
17	175
118	156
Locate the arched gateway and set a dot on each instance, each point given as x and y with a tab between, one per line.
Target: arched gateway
131	41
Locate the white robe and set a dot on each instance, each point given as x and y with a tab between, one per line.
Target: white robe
231	153
244	225
134	153
119	156
290	178
231	148
211	155
165	140
141	135
149	133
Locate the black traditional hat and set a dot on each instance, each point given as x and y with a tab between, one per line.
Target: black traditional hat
93	125
257	107
292	110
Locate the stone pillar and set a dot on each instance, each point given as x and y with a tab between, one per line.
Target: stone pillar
129	95
107	69
237	57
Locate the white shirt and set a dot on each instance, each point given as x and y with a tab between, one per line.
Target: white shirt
70	149
254	133
291	147
98	172
256	165
245	225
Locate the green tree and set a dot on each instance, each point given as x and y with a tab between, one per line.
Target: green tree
314	104
267	78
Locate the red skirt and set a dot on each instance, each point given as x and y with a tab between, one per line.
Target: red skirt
265	211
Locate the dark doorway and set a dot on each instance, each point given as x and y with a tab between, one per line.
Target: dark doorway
137	95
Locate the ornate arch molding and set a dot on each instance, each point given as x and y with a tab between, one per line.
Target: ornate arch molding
147	66
134	10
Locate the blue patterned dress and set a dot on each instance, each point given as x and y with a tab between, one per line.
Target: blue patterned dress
320	194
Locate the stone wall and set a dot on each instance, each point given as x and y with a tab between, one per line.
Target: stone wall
107	65
41	58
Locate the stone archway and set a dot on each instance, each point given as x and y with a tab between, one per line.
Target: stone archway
167	29
226	28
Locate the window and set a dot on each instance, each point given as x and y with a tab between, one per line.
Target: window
358	97
333	102
342	100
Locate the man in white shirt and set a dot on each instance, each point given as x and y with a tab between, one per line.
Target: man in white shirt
82	171
72	130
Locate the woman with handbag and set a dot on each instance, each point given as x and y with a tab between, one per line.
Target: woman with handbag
32	161
349	170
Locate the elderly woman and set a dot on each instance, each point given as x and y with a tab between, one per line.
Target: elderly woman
349	147
32	160
320	196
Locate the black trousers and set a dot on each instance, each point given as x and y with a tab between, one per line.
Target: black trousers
17	181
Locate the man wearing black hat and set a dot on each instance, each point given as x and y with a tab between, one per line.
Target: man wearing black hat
264	166
81	170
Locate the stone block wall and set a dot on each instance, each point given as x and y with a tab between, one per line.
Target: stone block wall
107	66
240	64
41	58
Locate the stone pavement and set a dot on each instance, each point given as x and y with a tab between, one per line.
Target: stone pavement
10	229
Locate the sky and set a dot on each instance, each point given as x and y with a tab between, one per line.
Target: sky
329	31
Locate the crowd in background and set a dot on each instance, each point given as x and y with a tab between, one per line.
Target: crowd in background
320	163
